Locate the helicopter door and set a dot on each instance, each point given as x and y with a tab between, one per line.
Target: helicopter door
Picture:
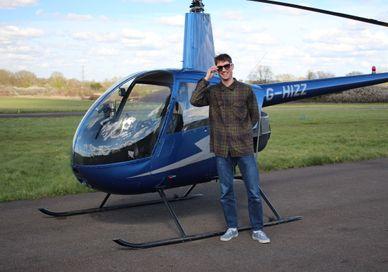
186	138
195	132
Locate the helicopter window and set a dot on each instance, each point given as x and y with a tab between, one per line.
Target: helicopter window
193	117
123	126
176	122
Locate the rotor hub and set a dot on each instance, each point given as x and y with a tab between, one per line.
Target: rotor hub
197	6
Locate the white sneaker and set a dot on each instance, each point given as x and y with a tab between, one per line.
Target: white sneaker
229	234
260	236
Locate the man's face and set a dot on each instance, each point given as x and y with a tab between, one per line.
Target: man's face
225	70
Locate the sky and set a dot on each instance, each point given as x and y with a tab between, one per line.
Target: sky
98	40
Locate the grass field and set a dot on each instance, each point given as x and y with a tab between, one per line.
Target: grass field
35	153
315	134
28	105
35	157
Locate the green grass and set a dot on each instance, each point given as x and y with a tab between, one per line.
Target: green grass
315	134
35	158
35	152
31	105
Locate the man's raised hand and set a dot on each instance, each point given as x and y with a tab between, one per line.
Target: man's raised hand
210	72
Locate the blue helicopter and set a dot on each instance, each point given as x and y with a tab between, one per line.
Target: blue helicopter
143	135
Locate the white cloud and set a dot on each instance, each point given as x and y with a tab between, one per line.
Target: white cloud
343	40
18	49
103	18
285	10
39	12
133	34
244	27
147	54
11	4
243	37
177	20
78	17
383	16
341	49
233	15
322	34
104	52
83	35
21	57
150	42
95	37
71	16
11	33
147	1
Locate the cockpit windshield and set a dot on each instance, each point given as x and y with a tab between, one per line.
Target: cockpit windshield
124	125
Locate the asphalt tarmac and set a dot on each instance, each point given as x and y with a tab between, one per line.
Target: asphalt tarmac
344	228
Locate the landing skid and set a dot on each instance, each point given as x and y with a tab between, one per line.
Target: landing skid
197	236
101	208
186	238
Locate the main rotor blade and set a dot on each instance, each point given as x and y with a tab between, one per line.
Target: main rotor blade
352	17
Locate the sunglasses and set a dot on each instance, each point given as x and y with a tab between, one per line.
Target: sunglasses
221	67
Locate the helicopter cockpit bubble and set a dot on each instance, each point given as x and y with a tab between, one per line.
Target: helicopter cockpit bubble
124	124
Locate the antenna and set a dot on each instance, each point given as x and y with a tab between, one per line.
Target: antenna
197	6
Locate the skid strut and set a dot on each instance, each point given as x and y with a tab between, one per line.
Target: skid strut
101	208
186	238
266	199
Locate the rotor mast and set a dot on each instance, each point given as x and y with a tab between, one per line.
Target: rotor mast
198	48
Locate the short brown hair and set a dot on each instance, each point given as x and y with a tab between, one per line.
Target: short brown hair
222	57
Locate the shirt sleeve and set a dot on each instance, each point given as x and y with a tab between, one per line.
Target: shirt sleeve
253	108
200	96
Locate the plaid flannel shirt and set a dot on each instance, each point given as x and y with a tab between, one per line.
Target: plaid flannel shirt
233	111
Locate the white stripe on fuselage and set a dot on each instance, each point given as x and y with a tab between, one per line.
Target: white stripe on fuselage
204	154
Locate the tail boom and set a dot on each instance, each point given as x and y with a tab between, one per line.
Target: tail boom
290	91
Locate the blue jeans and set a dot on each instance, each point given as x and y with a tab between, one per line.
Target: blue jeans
250	174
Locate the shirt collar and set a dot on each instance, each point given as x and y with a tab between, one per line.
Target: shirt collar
232	87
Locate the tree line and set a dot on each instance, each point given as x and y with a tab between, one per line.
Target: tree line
27	83
263	74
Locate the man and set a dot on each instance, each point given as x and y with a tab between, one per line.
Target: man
233	112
